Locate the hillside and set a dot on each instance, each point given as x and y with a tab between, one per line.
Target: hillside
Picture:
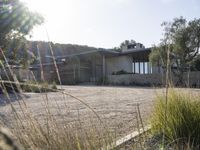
58	49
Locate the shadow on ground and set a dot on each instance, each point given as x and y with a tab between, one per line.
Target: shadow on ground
4	100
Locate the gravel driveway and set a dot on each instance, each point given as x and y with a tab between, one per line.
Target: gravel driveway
114	105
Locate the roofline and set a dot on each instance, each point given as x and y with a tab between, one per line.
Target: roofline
109	53
106	52
77	54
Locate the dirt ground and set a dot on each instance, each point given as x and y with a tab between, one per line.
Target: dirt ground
116	106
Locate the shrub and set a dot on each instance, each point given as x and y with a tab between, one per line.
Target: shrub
121	72
9	87
102	81
182	123
53	85
35	87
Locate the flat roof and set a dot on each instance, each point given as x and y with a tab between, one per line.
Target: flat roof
108	52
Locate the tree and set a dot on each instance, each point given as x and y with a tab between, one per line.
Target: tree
16	22
182	40
196	64
130	44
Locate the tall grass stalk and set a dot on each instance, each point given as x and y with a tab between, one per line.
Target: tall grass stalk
166	95
183	116
54	135
54	59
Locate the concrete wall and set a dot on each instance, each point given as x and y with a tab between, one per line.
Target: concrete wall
114	64
97	68
193	78
152	79
140	79
77	70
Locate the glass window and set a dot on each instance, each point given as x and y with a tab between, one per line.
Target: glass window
146	68
141	68
137	67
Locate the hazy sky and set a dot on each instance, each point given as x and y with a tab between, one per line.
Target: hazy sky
107	23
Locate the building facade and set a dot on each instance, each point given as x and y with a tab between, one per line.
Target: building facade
95	65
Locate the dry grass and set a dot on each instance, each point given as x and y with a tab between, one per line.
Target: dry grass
51	132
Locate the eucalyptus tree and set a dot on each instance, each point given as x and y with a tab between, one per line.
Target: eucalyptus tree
182	40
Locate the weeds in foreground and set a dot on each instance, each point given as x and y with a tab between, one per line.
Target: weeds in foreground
55	132
52	131
48	132
182	127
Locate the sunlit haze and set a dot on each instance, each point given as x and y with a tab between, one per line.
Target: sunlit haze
106	23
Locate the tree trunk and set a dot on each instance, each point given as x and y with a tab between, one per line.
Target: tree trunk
180	78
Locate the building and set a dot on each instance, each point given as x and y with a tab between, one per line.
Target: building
93	65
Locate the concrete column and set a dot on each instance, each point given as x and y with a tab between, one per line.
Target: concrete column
103	66
139	67
74	72
79	68
133	63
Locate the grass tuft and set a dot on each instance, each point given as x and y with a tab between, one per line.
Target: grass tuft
182	125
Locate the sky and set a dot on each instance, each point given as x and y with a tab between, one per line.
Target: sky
107	23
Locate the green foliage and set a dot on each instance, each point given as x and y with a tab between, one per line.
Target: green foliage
182	40
183	117
118	49
53	85
102	81
158	53
120	72
15	18
16	21
127	42
35	87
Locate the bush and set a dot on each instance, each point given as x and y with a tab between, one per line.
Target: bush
9	87
120	72
102	81
35	87
183	118
53	85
